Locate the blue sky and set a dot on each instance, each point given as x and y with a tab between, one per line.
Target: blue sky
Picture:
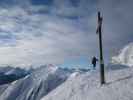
62	32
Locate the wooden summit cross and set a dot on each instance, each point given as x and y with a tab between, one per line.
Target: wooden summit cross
99	32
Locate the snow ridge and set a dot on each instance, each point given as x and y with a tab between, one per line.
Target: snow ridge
86	86
125	56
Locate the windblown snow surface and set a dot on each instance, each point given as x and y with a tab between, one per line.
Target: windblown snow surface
3	88
125	56
86	86
35	85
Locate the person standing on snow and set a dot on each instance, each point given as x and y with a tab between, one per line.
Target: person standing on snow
94	61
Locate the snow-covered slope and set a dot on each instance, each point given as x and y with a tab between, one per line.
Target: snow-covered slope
36	84
85	86
3	88
125	56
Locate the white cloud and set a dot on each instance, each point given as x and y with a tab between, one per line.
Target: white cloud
53	37
40	38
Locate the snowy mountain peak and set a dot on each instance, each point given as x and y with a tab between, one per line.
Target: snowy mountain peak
53	67
37	84
125	56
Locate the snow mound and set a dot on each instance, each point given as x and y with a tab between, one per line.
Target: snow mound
73	75
85	86
36	84
125	56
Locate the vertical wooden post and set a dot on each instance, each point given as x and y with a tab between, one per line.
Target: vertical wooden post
99	31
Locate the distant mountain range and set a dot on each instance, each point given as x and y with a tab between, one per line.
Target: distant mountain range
9	74
35	85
